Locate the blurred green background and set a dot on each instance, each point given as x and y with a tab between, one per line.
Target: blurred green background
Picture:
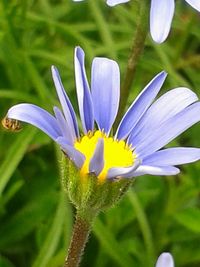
159	213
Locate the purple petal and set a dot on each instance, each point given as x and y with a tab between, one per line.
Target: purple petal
105	86
116	2
76	156
97	160
165	107
165	260
161	16
194	3
64	127
169	130
83	92
155	170
173	156
139	106
36	116
118	172
65	103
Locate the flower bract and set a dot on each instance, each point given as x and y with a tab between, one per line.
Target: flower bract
136	146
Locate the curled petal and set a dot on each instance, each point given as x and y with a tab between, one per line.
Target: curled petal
116	2
65	103
165	260
169	130
83	92
161	16
97	160
139	106
173	156
105	85
123	172
36	116
76	156
194	3
155	170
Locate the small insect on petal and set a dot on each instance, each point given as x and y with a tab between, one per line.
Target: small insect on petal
11	124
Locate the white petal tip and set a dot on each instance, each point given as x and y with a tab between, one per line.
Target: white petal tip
165	260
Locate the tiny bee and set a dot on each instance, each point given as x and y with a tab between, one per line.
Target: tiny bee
11	124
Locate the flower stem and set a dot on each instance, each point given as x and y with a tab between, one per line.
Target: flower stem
135	53
80	236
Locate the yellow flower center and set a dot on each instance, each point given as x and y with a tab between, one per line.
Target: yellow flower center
116	153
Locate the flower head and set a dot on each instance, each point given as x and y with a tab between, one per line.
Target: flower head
147	126
161	15
165	260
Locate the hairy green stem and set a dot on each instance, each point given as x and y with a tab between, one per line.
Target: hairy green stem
135	53
79	238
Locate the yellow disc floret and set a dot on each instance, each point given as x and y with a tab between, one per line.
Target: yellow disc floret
116	153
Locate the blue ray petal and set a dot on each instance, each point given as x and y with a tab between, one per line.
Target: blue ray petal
139	106
194	3
118	172
83	92
66	130
97	160
154	170
105	85
76	156
36	116
68	110
161	110
165	260
161	16
173	156
116	2
167	131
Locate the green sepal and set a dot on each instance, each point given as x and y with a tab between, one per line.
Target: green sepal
88	194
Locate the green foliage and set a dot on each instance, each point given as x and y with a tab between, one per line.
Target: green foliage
158	214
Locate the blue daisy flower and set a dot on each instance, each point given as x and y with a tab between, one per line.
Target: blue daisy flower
136	146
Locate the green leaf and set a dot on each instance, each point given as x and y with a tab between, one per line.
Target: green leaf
5	262
190	218
14	155
27	218
51	242
110	245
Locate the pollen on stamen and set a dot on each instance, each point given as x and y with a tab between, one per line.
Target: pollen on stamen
116	153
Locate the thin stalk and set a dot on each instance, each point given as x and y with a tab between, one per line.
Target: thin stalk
135	53
144	225
80	236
